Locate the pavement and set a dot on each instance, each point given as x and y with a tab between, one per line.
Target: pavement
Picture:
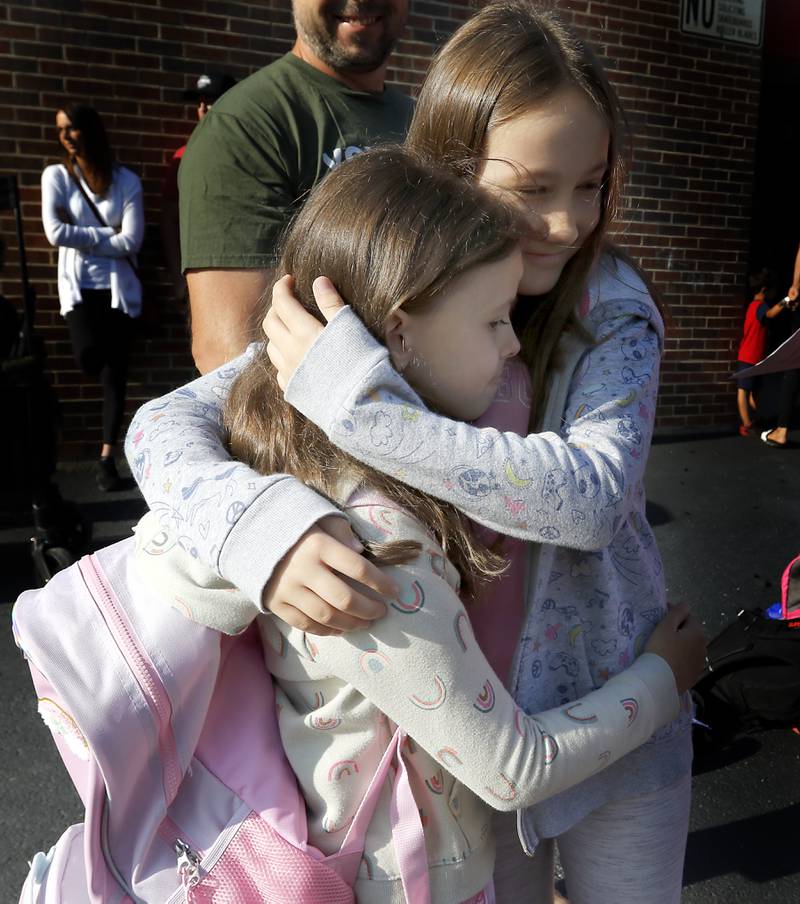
726	515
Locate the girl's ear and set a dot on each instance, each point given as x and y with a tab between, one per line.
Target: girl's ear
395	335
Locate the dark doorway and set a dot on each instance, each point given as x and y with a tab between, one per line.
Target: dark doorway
776	221
775	231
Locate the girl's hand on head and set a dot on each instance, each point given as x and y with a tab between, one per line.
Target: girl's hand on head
308	589
290	329
679	638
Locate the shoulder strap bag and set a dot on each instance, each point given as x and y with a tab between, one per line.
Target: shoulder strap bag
93	207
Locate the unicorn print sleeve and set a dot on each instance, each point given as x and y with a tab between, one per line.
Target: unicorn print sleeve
572	485
223	513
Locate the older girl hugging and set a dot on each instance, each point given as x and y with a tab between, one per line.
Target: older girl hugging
516	103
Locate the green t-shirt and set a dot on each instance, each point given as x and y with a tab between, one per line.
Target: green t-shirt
259	151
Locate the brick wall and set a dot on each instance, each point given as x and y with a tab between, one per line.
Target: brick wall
693	106
132	60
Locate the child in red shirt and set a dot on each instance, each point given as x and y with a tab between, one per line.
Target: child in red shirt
753	343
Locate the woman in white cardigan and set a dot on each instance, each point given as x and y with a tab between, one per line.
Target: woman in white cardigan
92	212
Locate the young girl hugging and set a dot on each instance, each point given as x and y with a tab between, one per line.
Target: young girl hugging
517	103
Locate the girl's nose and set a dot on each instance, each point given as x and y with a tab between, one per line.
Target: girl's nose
512	346
562	227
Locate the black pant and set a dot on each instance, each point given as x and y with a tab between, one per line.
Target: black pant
789	386
100	338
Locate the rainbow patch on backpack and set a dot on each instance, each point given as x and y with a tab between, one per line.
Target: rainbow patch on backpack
60	722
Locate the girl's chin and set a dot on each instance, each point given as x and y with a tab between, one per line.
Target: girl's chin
538	283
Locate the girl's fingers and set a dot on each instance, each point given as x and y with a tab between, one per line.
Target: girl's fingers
274	355
334	604
299	322
283	285
350	564
297	618
350	602
323	613
275	329
328	299
339	529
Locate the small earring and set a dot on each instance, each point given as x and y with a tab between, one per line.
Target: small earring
403	344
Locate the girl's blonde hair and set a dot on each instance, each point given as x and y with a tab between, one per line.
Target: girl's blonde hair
508	59
390	229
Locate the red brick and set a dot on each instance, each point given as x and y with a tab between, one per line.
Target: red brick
693	106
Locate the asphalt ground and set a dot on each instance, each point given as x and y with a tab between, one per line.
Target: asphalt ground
726	515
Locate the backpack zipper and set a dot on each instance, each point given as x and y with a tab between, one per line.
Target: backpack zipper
188	865
193	865
142	669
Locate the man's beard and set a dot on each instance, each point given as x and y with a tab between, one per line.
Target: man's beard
319	33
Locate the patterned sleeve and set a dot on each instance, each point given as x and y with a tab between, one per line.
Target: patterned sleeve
233	519
422	667
572	488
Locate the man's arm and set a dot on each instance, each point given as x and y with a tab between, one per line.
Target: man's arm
225	313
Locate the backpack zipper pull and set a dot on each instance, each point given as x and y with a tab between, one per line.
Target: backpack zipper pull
188	864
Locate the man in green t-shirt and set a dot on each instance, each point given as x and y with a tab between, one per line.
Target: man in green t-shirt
265	144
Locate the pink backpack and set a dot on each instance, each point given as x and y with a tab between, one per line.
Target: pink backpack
169	733
790	590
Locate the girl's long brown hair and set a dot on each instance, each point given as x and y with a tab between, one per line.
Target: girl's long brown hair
508	59
390	229
97	150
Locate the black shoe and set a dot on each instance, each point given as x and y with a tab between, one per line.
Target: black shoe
106	475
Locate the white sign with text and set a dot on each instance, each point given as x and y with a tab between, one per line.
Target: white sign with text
738	21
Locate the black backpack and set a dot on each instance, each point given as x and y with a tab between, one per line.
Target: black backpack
753	675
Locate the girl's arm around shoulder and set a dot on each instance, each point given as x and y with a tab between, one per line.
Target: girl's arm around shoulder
238	522
571	487
56	190
176	578
422	667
